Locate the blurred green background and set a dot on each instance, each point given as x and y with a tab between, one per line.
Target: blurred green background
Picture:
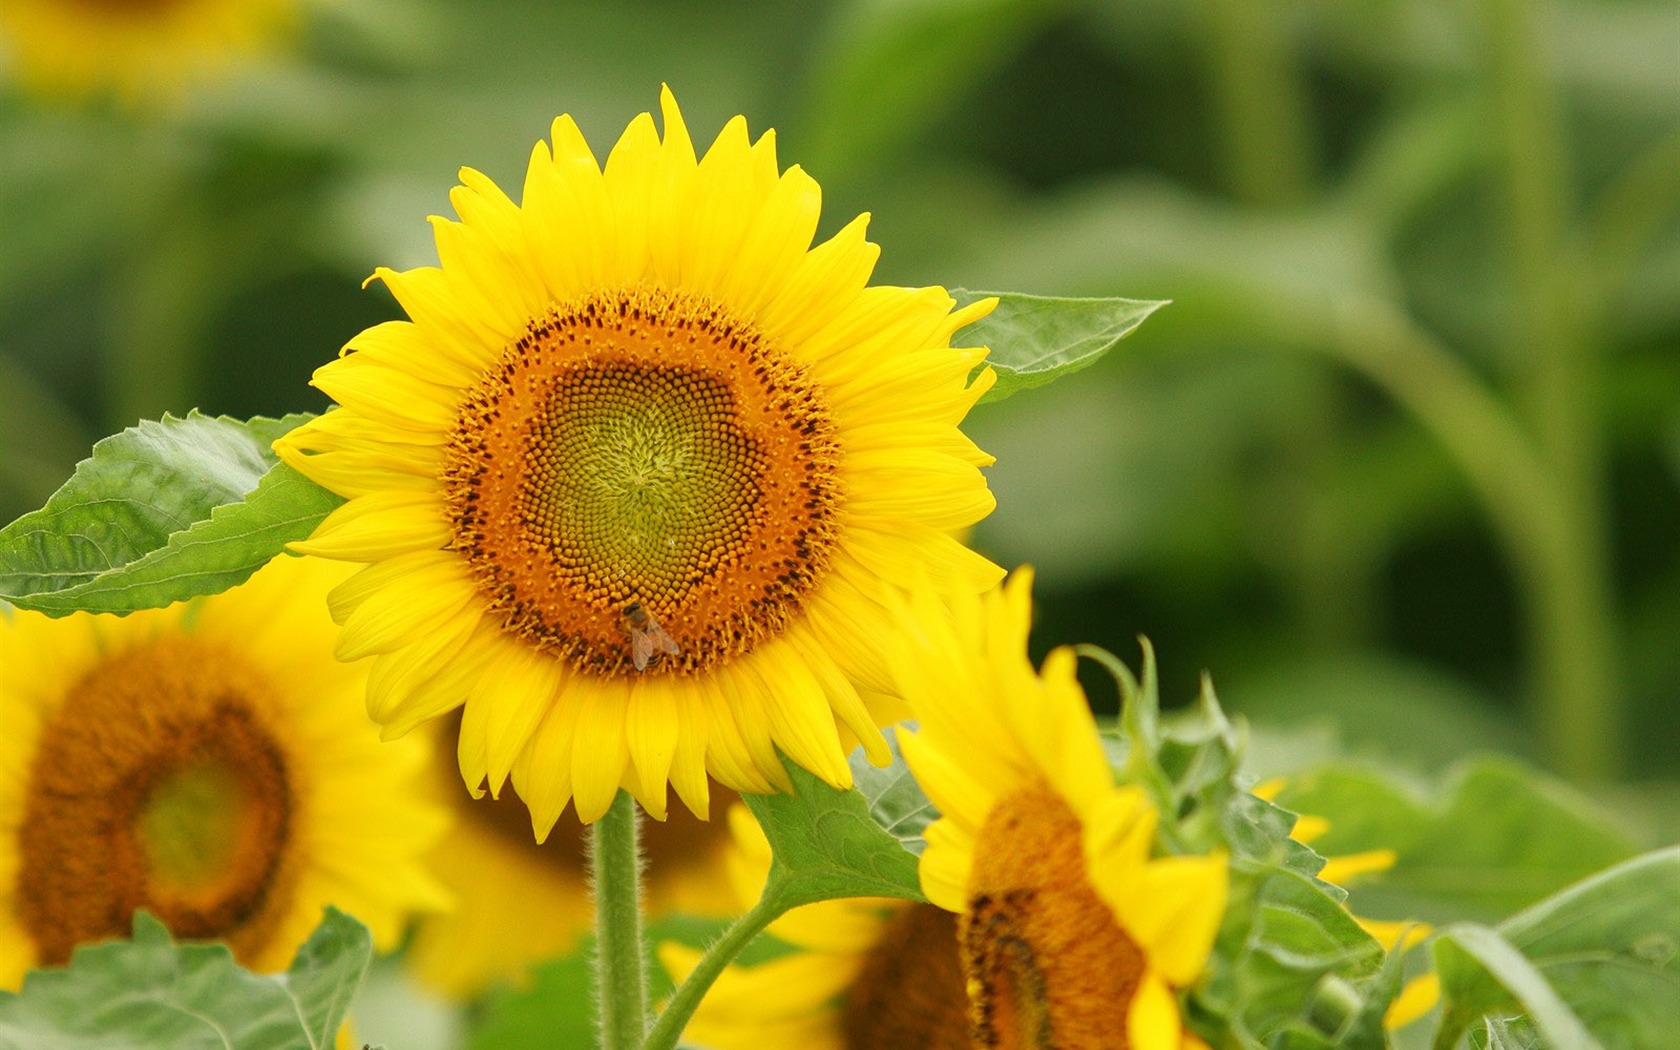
1400	466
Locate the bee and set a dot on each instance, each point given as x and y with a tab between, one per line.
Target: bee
647	638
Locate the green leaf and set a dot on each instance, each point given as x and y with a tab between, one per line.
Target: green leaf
1510	1033
1499	836
556	1008
896	801
161	512
152	994
1035	339
327	972
1610	945
1291	967
827	844
1482	972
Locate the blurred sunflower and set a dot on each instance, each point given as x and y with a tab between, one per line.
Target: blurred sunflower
520	902
635	474
1071	932
135	49
866	972
209	763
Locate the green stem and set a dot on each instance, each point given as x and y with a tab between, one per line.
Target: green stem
669	1028
1574	643
1261	104
615	863
1270	157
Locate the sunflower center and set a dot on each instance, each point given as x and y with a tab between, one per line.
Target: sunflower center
909	992
155	786
644	484
1047	964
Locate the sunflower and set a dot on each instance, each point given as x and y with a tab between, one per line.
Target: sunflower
865	972
135	49
519	902
634	478
1071	932
209	763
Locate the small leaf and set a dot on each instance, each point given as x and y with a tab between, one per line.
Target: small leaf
827	844
896	802
327	972
1510	1033
1035	339
152	994
161	512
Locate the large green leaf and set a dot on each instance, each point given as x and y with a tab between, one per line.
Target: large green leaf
1602	956
556	1008
1498	836
1035	338
1482	973
152	994
161	512
827	844
1610	945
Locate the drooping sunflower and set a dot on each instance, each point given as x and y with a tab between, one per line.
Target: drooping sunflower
1071	931
136	50
519	902
210	763
865	973
635	478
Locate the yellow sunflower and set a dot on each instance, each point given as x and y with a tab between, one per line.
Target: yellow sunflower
209	763
135	49
520	902
635	476
1072	933
866	972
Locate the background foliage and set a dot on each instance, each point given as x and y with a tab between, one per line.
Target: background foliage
1400	464
1340	532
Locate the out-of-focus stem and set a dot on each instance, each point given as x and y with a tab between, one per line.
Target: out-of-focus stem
1270	158
1572	636
1261	105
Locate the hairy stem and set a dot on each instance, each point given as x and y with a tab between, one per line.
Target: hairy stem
615	864
669	1028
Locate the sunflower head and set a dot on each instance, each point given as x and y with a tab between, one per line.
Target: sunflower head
208	763
633	475
1073	930
136	50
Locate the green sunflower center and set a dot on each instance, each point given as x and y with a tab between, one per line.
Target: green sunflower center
644	485
642	468
1046	962
154	786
